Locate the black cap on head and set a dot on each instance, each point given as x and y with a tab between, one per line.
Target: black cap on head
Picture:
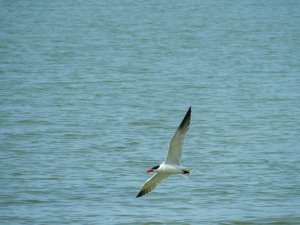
155	167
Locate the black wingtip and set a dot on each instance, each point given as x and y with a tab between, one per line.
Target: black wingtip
186	120
140	194
189	111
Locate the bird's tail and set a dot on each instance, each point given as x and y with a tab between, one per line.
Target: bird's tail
186	171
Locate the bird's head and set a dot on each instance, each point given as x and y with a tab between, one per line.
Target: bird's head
153	169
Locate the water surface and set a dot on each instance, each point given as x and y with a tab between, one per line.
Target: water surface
91	93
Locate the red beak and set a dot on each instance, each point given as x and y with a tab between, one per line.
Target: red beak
150	171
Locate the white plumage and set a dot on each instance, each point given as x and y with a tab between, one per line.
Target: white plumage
171	165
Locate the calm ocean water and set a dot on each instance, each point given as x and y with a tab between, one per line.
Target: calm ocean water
92	91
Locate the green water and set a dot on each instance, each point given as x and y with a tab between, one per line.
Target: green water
92	91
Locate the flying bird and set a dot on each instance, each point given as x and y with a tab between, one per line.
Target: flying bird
171	165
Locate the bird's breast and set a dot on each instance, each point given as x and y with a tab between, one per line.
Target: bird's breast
165	168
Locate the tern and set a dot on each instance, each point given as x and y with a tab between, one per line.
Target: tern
171	165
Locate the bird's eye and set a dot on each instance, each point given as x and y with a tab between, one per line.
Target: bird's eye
155	167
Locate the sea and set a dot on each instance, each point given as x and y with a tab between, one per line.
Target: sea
92	91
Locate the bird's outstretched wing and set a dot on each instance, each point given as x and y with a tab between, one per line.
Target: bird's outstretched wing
176	143
151	183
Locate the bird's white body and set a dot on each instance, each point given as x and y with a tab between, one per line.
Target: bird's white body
171	169
171	165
